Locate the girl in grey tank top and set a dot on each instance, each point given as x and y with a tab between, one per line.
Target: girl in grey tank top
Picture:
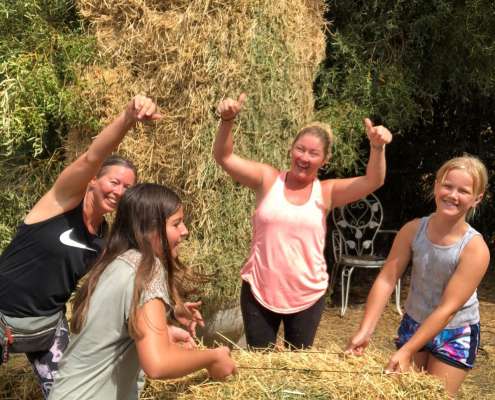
440	331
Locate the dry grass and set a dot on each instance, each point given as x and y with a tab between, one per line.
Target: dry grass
324	374
188	55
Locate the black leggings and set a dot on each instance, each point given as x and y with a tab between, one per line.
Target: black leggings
261	325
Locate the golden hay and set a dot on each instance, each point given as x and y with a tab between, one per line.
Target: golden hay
17	380
302	375
188	55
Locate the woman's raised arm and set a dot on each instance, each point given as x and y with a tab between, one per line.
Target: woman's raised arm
247	172
347	190
69	188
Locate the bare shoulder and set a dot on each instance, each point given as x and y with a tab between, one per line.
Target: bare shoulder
270	174
408	231
326	189
412	226
476	248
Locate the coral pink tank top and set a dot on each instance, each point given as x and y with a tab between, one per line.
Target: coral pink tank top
286	268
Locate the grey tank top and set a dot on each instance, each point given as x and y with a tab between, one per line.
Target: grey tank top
432	267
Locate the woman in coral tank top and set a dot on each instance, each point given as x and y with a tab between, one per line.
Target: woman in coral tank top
285	277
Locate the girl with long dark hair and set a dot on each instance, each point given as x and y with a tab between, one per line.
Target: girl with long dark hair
120	312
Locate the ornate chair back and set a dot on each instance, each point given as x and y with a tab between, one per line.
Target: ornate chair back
358	224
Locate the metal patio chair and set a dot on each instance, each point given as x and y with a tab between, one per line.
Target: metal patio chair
357	227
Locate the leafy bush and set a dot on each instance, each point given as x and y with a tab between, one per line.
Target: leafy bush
42	46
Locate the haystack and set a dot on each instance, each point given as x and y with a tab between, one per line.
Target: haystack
188	55
302	375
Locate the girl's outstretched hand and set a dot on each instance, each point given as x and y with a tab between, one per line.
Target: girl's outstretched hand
358	343
401	361
141	108
188	315
223	365
377	135
181	337
229	108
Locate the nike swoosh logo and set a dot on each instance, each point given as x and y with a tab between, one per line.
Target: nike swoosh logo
68	241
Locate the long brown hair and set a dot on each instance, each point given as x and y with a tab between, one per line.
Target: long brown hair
142	213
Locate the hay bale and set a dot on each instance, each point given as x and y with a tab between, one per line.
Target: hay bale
188	55
302	375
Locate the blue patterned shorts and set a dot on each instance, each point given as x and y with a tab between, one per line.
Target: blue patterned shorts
457	347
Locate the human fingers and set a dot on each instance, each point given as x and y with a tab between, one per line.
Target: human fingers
391	368
357	343
369	126
146	106
356	349
229	108
223	365
193	304
156	116
224	105
193	308
181	337
138	102
241	100
382	135
189	342
191	328
150	108
142	107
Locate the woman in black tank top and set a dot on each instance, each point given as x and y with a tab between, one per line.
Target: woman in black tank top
61	236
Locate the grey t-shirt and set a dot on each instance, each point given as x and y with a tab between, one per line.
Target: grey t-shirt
101	361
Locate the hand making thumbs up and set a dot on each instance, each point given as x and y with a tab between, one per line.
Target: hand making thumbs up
229	108
377	135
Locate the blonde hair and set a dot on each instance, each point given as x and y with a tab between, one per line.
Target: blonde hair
474	167
321	131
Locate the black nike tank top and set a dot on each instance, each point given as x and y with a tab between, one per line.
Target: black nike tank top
43	263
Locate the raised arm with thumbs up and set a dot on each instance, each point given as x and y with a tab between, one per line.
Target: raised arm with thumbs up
247	172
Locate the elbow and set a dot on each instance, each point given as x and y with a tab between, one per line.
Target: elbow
445	312
380	181
153	373
377	183
90	159
157	371
220	158
217	157
154	366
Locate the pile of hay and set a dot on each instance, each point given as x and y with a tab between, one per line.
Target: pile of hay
17	380
188	55
302	375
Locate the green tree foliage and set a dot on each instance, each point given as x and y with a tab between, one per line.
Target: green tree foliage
425	69
42	44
